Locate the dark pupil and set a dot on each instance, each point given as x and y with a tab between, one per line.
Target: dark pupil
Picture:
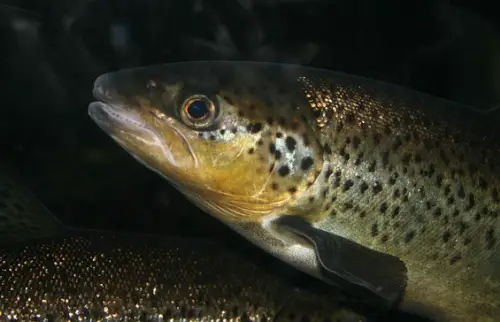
197	109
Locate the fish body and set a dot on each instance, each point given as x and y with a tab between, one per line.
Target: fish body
49	272
393	170
22	217
104	276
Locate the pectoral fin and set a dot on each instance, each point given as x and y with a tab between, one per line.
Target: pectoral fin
382	274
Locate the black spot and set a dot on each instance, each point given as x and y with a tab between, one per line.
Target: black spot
374	230
439	180
437	212
471	202
395	211
306	163
292	190
490	238
346	156
377	187
372	166
274	186
254	128
385	159
348	205
483	184
383	208
290	143
363	187
446	236
270	120
431	170
494	195
409	236
455	259
283	170
222	131
328	173
384	239
451	200
212	137
461	192
279	135
359	158
272	148
277	154
234	130
348	185
251	151
336	182
447	190
392	179
311	199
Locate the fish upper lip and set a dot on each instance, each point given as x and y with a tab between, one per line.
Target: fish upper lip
99	90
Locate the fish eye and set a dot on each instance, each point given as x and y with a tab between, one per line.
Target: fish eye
198	111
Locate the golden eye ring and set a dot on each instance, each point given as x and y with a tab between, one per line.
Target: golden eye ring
198	111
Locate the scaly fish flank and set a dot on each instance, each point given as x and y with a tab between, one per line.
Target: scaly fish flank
328	172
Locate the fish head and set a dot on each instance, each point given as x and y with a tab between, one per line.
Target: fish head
233	137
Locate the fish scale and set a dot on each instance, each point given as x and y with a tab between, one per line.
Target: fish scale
409	186
370	169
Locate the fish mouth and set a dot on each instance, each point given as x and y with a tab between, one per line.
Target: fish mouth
157	143
117	121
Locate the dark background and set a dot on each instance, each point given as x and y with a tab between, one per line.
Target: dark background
52	50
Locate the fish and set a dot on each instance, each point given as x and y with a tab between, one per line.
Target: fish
22	217
51	272
348	179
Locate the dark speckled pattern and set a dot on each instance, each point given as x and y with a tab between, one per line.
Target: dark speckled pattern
105	277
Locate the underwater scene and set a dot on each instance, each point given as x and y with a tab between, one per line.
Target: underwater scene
249	160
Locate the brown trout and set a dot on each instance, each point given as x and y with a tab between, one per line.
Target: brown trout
337	175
